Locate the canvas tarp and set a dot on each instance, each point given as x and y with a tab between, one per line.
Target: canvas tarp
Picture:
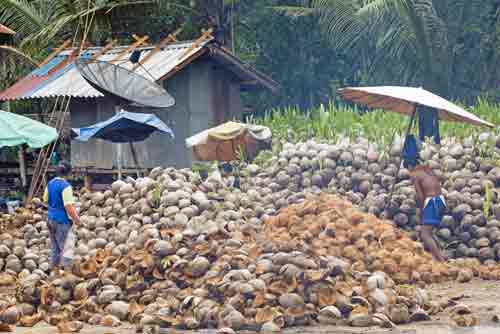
18	130
227	141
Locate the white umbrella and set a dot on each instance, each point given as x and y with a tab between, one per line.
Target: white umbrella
405	99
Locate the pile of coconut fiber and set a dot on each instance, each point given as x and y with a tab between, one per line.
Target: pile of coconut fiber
320	261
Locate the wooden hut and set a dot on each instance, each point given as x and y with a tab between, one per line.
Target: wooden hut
205	79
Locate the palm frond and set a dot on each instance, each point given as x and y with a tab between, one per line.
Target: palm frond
22	16
294	11
18	53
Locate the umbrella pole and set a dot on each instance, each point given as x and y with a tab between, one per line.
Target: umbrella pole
134	156
119	153
410	126
119	149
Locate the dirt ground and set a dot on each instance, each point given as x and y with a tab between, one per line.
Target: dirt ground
482	297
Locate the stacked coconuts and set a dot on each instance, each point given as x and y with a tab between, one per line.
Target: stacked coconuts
171	250
21	216
321	261
366	174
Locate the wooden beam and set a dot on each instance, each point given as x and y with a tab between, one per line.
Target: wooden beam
169	39
206	35
138	38
56	52
105	49
74	54
138	43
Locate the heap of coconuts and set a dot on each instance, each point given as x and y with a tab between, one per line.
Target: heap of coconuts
169	250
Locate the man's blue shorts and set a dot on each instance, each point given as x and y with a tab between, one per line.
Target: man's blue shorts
433	212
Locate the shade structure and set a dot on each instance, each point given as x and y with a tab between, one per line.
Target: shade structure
18	130
404	99
124	127
227	141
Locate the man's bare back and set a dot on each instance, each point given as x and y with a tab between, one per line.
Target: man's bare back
426	183
428	186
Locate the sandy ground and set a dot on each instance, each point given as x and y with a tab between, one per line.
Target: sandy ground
483	297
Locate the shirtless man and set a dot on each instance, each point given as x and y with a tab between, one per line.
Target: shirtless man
431	203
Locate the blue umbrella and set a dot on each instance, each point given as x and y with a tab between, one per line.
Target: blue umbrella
124	127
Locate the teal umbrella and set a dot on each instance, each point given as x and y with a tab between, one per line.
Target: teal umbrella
17	130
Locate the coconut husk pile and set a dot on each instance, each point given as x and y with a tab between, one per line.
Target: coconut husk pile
169	250
22	216
321	261
365	173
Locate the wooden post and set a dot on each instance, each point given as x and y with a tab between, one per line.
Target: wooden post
134	156
87	181
22	167
55	52
119	150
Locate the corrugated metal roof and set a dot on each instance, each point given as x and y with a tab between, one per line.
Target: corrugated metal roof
51	81
6	31
60	77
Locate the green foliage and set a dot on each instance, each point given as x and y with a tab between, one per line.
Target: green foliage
157	195
293	52
311	47
327	123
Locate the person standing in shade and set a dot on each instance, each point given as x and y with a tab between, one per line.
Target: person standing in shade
431	203
62	215
429	196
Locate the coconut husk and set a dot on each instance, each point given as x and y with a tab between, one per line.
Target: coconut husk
30	321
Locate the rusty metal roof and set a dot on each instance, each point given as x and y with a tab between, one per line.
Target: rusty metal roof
6	31
60	77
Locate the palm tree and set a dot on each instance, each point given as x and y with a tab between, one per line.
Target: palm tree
43	24
406	38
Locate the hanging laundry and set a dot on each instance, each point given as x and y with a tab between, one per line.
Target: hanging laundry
410	154
428	124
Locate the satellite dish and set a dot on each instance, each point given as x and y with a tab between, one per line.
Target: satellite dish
122	84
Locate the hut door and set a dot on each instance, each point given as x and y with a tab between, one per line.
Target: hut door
221	97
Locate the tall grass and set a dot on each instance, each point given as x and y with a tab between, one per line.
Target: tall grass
327	123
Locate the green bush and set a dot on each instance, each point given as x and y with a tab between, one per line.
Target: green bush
327	123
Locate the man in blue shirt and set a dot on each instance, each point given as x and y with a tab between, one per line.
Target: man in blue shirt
62	215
